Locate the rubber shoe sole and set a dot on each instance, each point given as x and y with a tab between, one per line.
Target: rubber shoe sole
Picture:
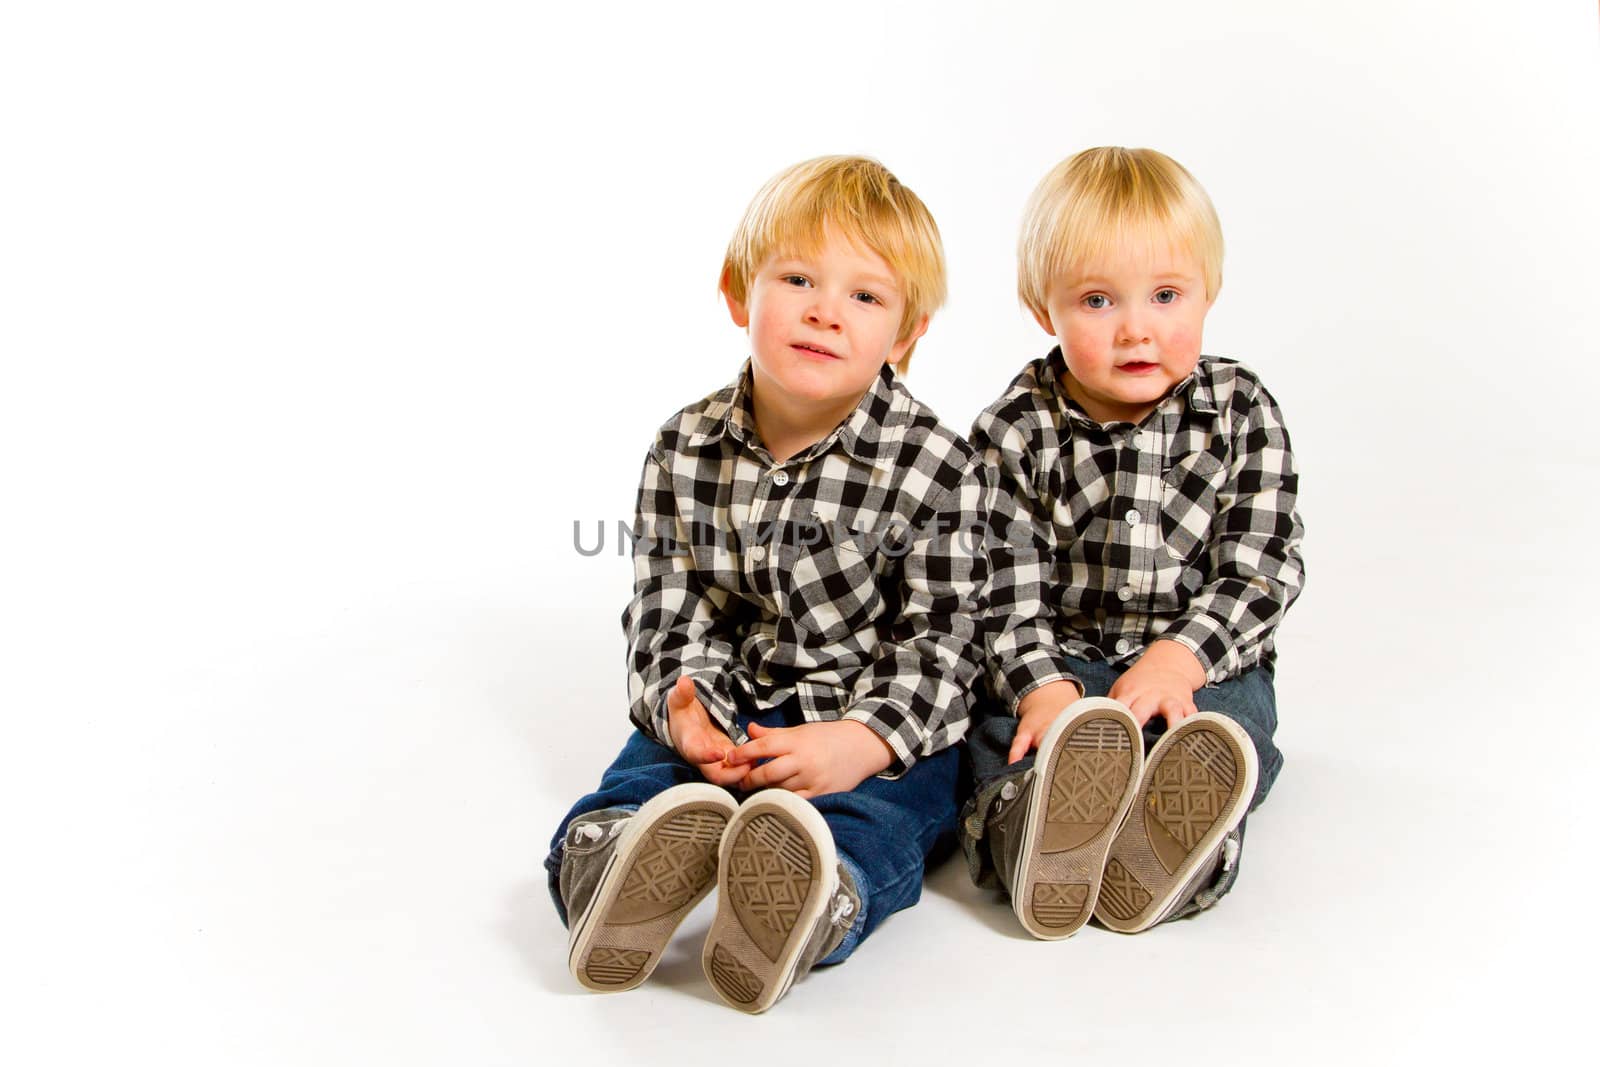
1086	774
778	871
1197	783
664	863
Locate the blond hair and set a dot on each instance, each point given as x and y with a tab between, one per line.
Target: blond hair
1105	198
863	201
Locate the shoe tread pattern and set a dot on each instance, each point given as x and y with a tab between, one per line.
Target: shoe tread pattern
1187	794
1056	905
770	874
1087	786
733	979
614	966
1121	894
671	868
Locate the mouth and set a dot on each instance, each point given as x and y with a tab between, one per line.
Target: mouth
814	351
1138	367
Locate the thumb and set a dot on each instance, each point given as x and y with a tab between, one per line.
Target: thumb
682	694
755	729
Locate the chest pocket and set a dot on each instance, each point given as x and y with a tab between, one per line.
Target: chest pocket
1189	493
831	587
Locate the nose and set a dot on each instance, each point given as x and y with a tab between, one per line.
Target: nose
1131	327
823	311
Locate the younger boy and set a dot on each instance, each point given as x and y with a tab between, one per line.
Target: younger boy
1152	546
803	617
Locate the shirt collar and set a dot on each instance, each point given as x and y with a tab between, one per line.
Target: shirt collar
1195	391
864	434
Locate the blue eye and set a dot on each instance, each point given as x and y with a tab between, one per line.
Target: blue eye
867	298
1097	301
1166	296
794	279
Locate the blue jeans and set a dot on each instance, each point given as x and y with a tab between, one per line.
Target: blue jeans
885	831
1247	699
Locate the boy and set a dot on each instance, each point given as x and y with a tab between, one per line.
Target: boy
803	618
1152	547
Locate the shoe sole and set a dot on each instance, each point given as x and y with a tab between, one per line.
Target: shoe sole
1086	775
777	870
1197	782
664	863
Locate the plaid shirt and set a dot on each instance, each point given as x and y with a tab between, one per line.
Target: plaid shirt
747	577
1183	527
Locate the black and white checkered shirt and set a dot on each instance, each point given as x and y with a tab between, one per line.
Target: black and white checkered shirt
1182	527
833	577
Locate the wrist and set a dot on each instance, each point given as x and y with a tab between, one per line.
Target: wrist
869	752
1174	656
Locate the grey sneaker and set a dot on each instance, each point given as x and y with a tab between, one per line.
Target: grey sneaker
1050	845
783	900
633	879
1198	781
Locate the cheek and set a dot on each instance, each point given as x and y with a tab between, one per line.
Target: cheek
1085	342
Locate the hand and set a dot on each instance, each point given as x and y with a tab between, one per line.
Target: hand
696	737
813	758
1161	682
1036	711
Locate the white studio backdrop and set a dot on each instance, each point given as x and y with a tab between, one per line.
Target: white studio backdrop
321	325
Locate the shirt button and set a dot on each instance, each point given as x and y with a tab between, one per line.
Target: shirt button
1132	516
1138	439
1125	593
1122	646
780	478
757	553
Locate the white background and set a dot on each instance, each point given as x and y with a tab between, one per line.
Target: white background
322	323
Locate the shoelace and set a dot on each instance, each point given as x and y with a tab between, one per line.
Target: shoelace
590	832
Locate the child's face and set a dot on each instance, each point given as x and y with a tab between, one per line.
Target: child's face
821	326
1129	329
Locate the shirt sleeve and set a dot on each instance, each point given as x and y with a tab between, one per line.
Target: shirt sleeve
674	623
1254	553
1021	648
916	691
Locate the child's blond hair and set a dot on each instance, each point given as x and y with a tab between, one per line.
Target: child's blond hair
861	200
1104	198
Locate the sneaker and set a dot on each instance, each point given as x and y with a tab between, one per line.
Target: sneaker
1197	784
657	865
1055	840
783	901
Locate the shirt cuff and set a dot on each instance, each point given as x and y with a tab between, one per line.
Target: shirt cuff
1021	676
901	755
1210	642
719	705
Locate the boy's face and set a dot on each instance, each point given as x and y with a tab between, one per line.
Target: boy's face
821	326
1129	329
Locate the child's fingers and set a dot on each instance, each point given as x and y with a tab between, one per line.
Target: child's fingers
719	773
763	747
1020	745
772	774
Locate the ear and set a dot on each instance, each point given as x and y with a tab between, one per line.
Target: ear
736	309
1043	319
898	351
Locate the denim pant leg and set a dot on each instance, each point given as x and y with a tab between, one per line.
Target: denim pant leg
886	832
643	769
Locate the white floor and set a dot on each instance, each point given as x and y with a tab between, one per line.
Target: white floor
322	847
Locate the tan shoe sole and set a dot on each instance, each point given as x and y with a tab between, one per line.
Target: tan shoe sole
665	862
778	870
1086	774
1198	780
